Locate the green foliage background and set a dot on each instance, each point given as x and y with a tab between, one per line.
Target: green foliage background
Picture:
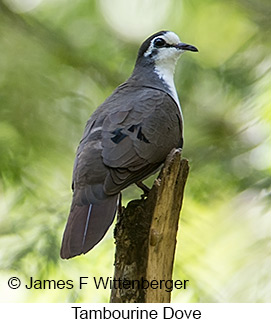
59	60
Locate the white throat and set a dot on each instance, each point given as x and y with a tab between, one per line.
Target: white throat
165	72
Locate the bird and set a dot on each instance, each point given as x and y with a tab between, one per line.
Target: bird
126	139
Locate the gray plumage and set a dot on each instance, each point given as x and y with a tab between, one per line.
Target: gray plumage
126	139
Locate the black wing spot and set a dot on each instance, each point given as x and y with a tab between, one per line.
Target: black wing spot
119	136
133	127
141	136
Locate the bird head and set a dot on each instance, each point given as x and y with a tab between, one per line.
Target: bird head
163	46
162	49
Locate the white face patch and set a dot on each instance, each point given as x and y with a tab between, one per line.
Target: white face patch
171	39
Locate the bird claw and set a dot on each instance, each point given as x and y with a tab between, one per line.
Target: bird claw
120	208
144	188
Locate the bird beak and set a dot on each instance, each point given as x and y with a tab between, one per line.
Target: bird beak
184	46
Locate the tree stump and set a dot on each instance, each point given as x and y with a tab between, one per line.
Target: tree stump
145	237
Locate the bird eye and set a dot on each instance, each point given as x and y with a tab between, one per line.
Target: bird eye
159	42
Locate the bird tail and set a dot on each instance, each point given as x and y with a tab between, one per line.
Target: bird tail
86	226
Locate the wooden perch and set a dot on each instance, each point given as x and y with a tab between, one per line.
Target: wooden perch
145	235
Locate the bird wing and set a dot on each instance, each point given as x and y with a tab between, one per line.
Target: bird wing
125	140
136	141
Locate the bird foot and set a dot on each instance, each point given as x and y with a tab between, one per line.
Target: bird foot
120	208
144	188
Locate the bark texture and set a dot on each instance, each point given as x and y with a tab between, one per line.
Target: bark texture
145	236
